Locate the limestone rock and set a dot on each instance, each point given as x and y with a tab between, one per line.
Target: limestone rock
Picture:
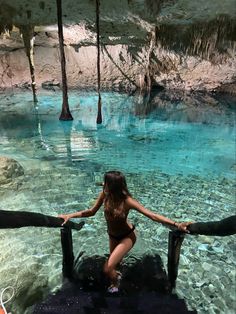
181	45
9	169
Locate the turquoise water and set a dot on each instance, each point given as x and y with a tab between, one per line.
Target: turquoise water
179	158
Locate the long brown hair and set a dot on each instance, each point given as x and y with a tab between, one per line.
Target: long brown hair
117	190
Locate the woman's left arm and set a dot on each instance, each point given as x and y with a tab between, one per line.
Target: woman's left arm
132	203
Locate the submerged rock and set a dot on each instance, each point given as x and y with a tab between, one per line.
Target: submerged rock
9	170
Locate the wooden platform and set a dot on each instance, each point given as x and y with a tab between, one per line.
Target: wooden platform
72	298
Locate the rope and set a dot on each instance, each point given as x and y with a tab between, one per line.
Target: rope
1	298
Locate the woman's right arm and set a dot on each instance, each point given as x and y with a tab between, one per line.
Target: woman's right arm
84	213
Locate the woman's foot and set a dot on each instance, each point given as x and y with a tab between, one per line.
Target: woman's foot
119	276
113	289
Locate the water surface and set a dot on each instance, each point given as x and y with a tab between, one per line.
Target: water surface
178	154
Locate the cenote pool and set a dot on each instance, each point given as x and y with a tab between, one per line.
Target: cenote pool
178	154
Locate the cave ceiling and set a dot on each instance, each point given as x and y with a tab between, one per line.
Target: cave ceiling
119	18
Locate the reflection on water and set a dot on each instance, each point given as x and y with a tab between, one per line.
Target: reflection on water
178	153
175	135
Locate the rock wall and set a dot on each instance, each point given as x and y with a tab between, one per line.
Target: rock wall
169	60
119	69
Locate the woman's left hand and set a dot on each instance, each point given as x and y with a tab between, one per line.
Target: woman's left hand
183	226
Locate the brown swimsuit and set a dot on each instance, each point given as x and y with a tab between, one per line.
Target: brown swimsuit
122	236
117	216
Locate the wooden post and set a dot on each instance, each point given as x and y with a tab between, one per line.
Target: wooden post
67	252
175	241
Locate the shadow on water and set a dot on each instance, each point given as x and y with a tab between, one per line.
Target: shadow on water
205	108
139	273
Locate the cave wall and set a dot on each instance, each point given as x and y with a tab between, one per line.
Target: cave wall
123	67
176	44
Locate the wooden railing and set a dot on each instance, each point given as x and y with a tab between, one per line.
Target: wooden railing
18	219
224	227
67	252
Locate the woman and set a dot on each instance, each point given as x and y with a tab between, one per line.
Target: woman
117	203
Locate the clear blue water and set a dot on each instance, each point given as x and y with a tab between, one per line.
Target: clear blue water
179	159
177	140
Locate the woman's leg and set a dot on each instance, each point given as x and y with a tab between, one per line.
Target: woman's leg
112	244
119	251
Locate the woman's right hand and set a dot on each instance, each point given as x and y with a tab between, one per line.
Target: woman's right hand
65	217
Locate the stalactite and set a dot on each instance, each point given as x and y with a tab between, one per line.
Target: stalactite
65	113
204	39
27	32
5	28
7	14
145	82
99	114
153	6
149	59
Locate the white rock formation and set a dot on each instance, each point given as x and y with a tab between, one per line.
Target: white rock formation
180	44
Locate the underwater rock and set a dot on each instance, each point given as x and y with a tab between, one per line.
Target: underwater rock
9	170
